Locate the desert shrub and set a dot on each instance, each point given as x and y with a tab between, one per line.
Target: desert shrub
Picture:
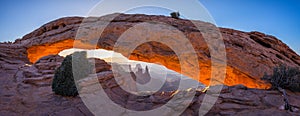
284	77
63	82
175	15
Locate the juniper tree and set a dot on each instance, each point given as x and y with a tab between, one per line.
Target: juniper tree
74	65
175	15
284	78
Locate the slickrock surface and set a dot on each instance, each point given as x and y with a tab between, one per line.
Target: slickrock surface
27	67
249	54
28	92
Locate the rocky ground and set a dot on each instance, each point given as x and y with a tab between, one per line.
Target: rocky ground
27	68
26	90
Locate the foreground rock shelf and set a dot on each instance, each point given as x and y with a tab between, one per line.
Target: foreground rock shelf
27	67
28	92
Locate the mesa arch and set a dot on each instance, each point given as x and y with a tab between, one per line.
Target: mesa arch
250	54
36	52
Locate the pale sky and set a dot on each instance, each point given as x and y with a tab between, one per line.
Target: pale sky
279	18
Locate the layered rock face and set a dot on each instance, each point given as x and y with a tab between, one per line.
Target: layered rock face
249	54
25	90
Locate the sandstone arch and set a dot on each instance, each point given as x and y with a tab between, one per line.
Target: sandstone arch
248	60
38	51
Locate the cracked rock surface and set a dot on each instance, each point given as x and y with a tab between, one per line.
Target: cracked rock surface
27	67
25	90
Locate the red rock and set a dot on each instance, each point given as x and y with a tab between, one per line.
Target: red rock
249	54
25	89
101	65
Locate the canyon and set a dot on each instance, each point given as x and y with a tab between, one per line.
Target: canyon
250	55
27	67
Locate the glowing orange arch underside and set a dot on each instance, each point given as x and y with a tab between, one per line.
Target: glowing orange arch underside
232	78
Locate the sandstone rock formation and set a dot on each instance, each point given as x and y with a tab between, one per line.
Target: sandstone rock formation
249	54
28	92
27	67
140	73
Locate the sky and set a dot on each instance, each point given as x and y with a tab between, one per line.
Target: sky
279	18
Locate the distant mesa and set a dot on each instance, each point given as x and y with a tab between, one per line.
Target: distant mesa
140	75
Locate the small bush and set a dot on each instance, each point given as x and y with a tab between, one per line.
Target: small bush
175	15
63	82
284	77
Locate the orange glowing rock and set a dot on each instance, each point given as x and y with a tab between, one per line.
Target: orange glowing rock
233	76
36	52
250	55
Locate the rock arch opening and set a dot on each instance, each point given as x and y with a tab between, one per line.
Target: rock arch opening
151	52
113	57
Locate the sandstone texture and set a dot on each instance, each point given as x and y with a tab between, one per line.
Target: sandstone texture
27	68
249	54
25	90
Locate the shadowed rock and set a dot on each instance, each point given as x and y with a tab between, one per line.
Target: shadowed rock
249	54
25	88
